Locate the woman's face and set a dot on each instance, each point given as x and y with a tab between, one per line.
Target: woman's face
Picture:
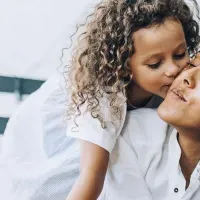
160	55
181	106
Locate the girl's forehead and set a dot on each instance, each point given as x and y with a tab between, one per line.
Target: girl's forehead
166	35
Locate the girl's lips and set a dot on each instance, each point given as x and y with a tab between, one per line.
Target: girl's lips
167	87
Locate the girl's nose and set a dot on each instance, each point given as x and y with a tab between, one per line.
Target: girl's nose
173	70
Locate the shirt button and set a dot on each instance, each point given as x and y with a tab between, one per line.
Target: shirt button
176	190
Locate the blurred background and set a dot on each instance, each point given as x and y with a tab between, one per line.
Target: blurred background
32	36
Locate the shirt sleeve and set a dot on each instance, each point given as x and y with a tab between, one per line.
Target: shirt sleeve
90	129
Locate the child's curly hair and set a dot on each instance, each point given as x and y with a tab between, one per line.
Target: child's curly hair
100	63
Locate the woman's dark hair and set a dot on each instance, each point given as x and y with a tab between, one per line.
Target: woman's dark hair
100	62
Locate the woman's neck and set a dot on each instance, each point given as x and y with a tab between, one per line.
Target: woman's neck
189	141
137	96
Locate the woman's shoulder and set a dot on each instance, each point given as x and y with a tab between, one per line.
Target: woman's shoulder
147	135
144	127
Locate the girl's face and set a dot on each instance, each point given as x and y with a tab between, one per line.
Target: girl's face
160	55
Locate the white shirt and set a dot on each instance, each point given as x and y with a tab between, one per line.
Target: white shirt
144	164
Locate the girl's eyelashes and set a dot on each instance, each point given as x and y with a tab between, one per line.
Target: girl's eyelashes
180	56
155	65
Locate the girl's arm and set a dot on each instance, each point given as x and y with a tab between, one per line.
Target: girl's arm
94	163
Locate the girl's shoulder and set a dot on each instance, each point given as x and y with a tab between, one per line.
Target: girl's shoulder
89	128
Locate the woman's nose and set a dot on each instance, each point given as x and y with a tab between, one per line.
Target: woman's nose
190	77
188	82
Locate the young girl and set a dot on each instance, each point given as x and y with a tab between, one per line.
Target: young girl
129	54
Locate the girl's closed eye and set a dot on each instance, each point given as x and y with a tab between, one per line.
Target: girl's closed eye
154	65
180	56
157	64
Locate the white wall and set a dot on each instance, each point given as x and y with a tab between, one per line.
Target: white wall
33	33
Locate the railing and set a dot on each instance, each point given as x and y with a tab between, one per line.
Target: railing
3	122
18	86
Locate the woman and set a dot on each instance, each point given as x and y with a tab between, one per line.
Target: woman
161	162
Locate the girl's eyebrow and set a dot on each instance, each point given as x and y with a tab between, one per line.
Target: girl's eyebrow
148	57
183	44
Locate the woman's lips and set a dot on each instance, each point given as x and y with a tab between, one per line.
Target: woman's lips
179	94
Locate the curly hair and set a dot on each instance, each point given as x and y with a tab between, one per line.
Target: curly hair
100	62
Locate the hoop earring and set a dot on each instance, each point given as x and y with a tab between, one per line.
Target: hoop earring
131	77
